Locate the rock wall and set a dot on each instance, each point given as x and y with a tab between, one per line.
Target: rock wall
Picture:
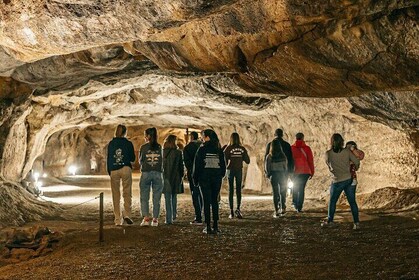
392	164
71	69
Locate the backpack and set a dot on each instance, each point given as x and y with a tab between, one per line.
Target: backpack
279	163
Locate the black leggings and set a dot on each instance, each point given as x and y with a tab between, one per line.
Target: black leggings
210	189
235	174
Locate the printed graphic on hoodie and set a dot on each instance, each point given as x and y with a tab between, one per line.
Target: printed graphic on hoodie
152	157
119	157
212	161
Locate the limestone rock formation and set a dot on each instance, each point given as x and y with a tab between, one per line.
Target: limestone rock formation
72	69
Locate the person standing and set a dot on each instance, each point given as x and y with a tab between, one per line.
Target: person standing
235	154
276	166
282	180
339	160
150	159
119	161
189	153
172	176
208	172
303	170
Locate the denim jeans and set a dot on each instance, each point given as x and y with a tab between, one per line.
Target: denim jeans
335	191
300	181
154	180
279	188
171	207
237	175
196	198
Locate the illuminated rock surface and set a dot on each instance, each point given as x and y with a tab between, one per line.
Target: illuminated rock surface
78	68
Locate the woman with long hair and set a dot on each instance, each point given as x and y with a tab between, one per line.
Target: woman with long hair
339	160
235	155
150	158
208	172
276	169
120	157
172	176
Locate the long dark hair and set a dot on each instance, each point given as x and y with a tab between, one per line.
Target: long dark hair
213	138
337	142
121	131
170	142
234	139
151	134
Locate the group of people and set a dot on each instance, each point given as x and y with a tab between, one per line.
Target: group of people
207	163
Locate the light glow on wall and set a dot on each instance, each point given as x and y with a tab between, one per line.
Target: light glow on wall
72	169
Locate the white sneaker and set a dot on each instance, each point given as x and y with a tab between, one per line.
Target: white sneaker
356	226
155	222
120	222
145	222
276	215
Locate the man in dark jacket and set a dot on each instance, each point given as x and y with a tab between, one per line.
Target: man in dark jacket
286	148
188	156
120	156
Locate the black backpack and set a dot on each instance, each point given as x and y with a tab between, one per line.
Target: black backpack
279	162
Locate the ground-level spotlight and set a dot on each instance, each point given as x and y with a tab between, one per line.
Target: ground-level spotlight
290	187
72	169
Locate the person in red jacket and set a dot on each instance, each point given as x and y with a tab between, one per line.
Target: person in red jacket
303	169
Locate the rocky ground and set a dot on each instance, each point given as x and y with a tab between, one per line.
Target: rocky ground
257	247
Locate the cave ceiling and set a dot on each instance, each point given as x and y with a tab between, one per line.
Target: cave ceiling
67	53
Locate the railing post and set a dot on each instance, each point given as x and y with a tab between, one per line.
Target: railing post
101	217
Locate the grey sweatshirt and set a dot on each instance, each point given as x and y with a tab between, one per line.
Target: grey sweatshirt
339	164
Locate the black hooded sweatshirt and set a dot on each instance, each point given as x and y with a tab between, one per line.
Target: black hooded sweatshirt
120	153
209	162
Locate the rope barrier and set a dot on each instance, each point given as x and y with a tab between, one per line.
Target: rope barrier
82	203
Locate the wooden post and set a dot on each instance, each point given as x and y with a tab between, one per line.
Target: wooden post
187	136
101	217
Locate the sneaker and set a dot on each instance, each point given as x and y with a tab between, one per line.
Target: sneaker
155	222
231	216
276	214
238	214
216	230
327	223
128	221
120	222
356	226
196	223
145	222
207	231
282	211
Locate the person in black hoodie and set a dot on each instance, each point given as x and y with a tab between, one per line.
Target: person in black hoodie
172	176
189	153
208	172
235	154
120	156
283	179
151	163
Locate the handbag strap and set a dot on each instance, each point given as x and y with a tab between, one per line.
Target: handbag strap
304	153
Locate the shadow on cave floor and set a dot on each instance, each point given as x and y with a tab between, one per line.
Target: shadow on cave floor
257	247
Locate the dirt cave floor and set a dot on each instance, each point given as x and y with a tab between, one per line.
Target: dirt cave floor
256	247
